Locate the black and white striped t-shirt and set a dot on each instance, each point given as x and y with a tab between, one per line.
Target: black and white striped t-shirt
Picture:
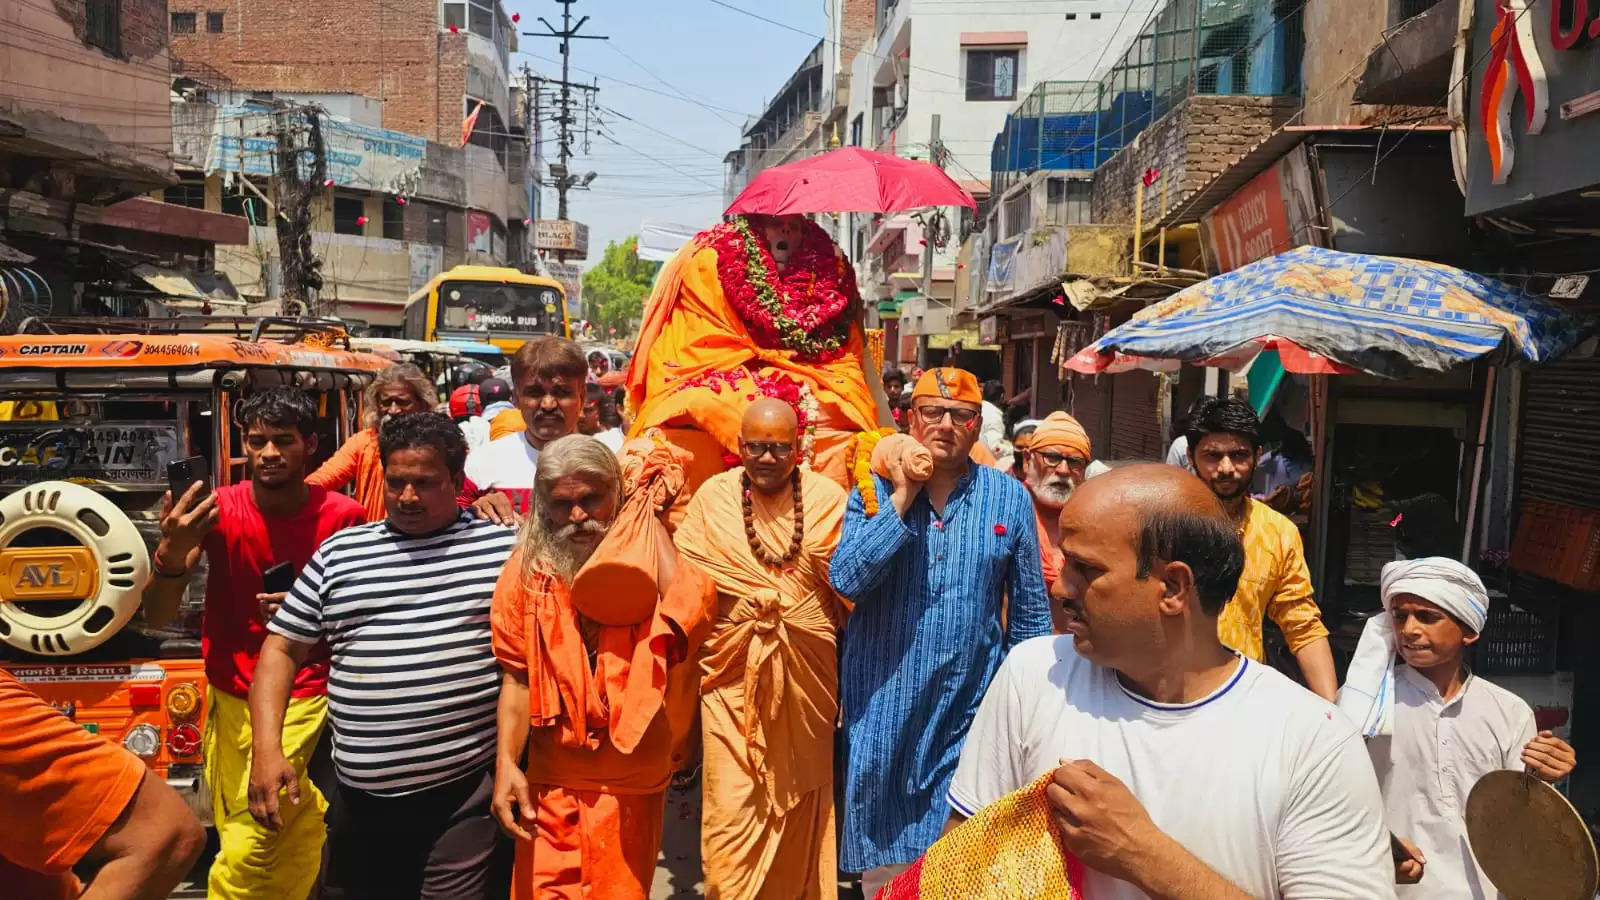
414	682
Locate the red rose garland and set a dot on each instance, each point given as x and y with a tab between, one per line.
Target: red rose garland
802	310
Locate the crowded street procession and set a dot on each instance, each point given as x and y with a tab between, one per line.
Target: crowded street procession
1181	481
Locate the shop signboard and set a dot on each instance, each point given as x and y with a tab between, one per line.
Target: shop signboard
571	278
1533	119
1270	214
562	236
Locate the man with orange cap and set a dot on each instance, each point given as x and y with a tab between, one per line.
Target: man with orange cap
932	575
1055	461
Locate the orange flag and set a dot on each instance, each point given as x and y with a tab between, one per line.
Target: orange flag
470	121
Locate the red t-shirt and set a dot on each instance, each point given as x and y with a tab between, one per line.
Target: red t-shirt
244	544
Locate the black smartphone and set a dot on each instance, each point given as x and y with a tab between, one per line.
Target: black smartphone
278	579
183	473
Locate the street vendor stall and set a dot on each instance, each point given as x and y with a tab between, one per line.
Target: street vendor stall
1400	437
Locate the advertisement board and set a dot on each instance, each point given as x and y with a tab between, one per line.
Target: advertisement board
564	235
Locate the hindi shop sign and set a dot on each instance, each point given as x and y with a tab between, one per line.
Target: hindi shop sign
562	235
1533	119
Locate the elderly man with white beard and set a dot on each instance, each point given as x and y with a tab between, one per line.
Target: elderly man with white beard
600	681
1055	462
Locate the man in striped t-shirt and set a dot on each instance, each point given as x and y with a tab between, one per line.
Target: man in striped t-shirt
413	683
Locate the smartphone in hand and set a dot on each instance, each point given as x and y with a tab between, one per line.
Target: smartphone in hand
278	579
183	473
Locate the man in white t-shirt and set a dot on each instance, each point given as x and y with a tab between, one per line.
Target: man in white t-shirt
547	378
1181	768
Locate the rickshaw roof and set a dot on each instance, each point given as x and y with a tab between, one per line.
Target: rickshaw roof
405	345
174	351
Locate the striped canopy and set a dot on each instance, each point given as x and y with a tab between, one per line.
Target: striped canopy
1330	312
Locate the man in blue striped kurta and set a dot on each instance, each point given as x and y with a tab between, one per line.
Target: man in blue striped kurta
929	576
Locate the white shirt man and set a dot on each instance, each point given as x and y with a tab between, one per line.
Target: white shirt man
1178	767
1261	780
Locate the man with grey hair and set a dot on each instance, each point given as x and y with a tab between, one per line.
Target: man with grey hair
397	390
597	623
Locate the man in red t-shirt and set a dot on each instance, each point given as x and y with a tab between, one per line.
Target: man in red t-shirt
244	530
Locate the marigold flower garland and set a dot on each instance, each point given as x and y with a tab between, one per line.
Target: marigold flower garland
858	460
803	310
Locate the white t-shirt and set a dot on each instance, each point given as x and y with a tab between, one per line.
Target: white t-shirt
613	438
1263	781
507	464
1426	768
476	430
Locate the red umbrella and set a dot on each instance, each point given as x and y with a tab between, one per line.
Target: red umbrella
849	180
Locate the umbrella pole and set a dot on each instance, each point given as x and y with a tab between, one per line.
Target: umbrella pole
1477	465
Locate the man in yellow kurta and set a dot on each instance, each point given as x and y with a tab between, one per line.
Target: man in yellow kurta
1224	445
757	306
770	684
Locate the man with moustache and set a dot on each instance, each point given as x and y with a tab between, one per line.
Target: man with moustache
412	685
770	694
595	689
547	375
1225	446
243	530
1055	461
1181	768
928	575
399	389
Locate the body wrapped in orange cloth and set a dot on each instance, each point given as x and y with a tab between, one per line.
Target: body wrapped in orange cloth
725	324
1008	851
613	689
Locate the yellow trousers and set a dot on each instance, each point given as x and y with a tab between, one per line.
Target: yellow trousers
254	862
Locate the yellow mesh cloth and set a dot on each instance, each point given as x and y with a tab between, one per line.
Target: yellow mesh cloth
1008	851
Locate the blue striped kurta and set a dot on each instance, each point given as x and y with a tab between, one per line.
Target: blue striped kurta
920	648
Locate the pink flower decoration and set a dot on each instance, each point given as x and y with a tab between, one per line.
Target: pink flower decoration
999	530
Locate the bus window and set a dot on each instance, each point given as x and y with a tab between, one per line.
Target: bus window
495	307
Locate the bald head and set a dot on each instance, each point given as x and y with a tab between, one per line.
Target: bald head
769	413
769	444
1169	516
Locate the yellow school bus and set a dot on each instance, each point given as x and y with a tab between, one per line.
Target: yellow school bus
501	306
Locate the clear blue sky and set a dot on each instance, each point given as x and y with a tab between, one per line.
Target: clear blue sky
669	162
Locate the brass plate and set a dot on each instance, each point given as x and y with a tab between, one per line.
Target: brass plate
1529	840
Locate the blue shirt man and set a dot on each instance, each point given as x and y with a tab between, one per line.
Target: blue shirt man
932	576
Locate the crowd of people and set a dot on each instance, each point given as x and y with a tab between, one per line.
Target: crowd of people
510	654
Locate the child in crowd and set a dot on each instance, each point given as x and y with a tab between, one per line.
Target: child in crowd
1433	728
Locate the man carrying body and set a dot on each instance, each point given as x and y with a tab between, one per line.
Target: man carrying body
1055	462
927	575
770	694
1224	446
404	605
548	374
1181	768
1433	728
598	708
245	529
398	389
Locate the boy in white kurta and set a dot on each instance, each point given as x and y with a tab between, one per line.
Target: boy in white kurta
1433	728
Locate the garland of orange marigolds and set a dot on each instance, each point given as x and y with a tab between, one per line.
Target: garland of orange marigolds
858	459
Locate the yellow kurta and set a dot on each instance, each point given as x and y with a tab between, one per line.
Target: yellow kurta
1275	583
769	692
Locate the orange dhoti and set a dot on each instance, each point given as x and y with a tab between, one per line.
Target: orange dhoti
769	692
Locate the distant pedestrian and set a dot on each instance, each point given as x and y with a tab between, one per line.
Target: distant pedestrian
466	409
548	376
1224	446
932	575
1181	768
1055	463
397	390
412	690
992	429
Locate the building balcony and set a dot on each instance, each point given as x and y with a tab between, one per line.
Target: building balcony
1411	64
1037	261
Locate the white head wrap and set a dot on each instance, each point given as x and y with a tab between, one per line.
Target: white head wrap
1368	693
1025	423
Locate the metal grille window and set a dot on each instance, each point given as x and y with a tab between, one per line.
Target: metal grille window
480	18
991	74
183	23
103	25
186	193
214	22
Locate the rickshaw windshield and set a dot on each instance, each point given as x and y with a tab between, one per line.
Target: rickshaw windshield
122	441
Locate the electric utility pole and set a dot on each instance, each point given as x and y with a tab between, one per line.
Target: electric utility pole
565	117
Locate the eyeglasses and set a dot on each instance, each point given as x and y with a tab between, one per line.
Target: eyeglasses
1054	460
758	449
932	415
